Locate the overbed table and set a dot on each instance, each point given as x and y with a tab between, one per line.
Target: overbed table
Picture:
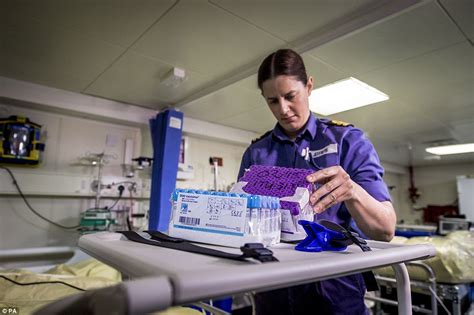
185	277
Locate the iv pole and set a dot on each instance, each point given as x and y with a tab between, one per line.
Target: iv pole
100	161
215	163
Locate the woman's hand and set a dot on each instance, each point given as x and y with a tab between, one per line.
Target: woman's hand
335	186
376	219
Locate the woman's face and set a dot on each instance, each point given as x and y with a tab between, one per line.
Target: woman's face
287	98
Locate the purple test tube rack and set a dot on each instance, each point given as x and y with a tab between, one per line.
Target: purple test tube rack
278	182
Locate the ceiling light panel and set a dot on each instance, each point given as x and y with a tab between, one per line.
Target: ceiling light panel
344	95
451	149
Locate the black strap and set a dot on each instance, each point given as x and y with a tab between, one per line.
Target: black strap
158	236
354	238
250	250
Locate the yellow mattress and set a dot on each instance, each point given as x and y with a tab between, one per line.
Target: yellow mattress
454	260
59	282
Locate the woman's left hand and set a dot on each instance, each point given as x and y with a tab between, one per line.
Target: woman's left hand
335	186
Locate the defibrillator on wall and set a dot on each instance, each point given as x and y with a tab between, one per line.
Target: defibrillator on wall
20	141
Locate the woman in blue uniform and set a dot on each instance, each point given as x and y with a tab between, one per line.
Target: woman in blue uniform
351	191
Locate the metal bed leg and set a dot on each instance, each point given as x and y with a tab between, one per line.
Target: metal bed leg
403	289
432	286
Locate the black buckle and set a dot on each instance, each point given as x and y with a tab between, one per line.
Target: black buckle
258	252
359	241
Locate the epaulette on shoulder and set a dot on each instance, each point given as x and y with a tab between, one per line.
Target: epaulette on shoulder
339	123
261	137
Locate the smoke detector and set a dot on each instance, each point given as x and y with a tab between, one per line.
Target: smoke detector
174	77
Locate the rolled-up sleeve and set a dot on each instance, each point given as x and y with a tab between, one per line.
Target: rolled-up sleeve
361	162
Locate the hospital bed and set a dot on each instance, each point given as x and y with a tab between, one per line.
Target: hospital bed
443	284
161	277
39	259
34	277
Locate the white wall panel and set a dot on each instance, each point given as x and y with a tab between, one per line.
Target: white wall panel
67	138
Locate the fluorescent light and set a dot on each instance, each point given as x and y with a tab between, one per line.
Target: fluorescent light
451	149
344	95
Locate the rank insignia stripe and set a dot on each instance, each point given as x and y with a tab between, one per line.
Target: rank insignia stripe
340	123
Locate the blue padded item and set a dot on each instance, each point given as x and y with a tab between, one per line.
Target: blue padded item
319	238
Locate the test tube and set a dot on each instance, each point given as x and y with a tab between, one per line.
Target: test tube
277	215
267	215
254	214
251	204
247	214
263	227
272	214
174	202
258	207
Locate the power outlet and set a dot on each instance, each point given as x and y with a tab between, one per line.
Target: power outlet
220	161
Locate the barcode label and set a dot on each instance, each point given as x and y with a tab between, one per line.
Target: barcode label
189	221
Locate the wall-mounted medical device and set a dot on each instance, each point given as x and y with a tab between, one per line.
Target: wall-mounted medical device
20	141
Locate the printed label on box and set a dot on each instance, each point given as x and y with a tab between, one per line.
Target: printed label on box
287	222
211	214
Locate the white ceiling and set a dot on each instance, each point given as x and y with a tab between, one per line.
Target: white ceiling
420	53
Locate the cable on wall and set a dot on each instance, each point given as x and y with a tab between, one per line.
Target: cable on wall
15	183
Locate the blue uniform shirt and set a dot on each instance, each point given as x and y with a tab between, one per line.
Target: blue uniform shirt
321	144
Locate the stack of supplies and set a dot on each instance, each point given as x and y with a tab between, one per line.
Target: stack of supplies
290	185
227	219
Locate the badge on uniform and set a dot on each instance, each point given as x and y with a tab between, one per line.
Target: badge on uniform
330	148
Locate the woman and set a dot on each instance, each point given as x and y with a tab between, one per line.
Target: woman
351	191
